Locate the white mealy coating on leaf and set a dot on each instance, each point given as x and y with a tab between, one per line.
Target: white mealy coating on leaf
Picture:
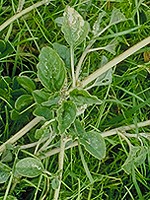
75	20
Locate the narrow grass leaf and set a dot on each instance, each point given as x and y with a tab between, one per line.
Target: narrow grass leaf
9	197
2	46
6	48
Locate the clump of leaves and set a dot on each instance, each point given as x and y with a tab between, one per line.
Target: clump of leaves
61	101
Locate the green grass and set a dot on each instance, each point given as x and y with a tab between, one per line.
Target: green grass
125	101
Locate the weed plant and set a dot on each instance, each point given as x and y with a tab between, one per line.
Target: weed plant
74	100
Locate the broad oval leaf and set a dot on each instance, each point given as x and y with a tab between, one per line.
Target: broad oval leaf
52	100
66	115
94	143
64	53
81	97
29	167
40	96
26	83
23	101
51	69
4	173
42	111
74	27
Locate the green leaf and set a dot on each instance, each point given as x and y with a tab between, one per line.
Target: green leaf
4	173
116	17
40	96
26	83
94	143
77	129
111	47
82	97
6	48
136	157
42	132
96	26
74	27
52	100
105	78
59	21
51	69
63	52
9	197
14	114
7	156
2	46
42	111
66	115
29	167
55	183
23	101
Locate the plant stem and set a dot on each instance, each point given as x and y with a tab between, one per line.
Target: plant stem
115	61
11	178
8	187
23	12
125	128
104	134
61	163
36	120
85	165
79	65
96	49
78	68
21	133
72	66
20	5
